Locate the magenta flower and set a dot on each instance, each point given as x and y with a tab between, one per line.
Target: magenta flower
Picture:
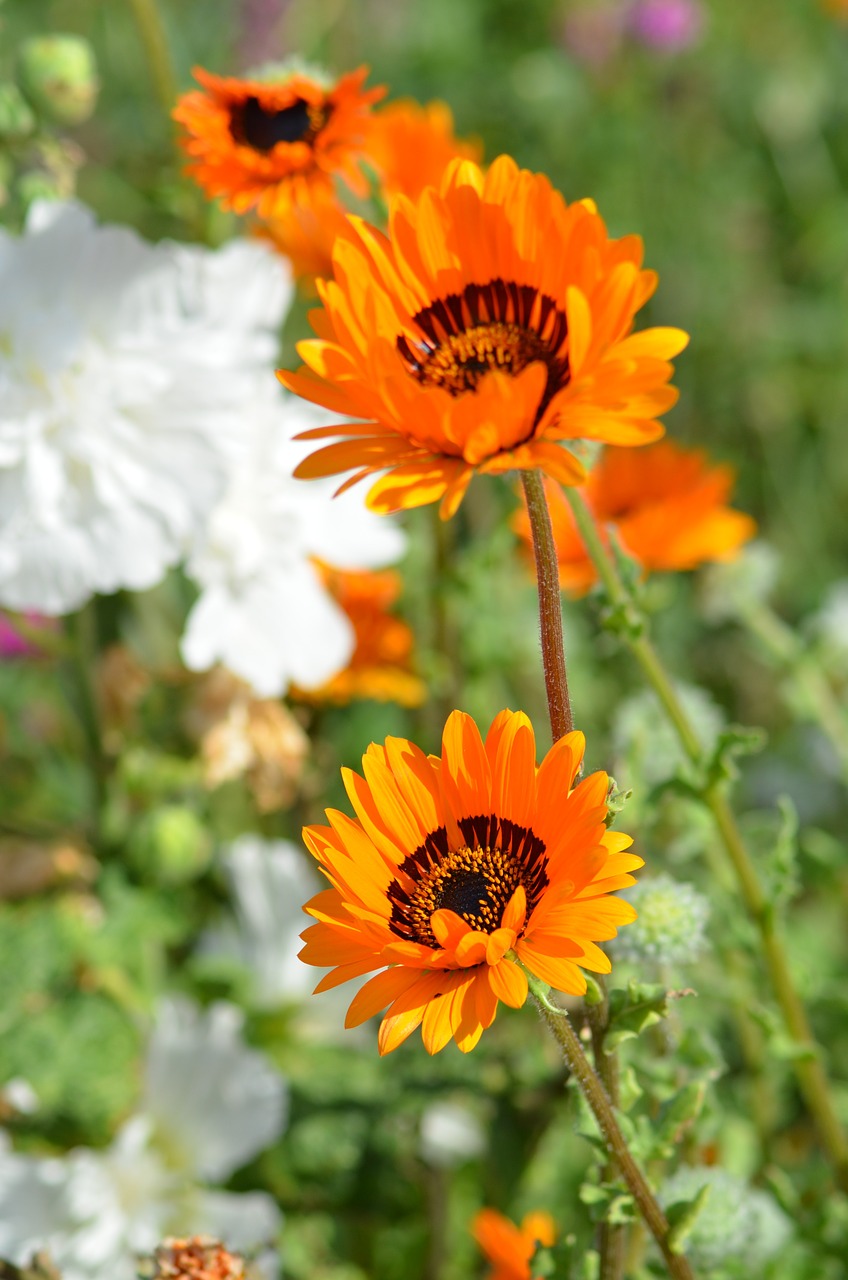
12	643
666	25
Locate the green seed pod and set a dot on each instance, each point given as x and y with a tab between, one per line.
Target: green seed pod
58	76
17	119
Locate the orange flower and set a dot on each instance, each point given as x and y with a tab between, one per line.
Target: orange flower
263	143
381	666
411	145
492	324
509	1248
455	868
306	231
666	504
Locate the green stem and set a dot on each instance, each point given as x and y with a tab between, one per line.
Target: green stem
151	28
550	605
612	1238
578	1064
810	1073
782	644
82	634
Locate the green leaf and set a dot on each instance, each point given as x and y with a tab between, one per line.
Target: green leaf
633	1009
682	1216
677	1115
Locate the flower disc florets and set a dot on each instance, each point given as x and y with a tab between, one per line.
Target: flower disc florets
491	325
456	868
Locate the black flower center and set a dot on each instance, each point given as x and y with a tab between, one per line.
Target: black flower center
254	126
499	325
475	881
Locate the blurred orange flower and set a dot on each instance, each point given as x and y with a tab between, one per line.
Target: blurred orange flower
306	231
493	323
381	666
455	869
411	145
509	1248
263	143
666	503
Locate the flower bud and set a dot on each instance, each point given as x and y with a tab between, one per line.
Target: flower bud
17	119
171	844
58	76
647	745
669	928
196	1258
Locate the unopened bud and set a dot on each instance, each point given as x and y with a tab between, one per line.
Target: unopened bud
194	1258
58	76
171	844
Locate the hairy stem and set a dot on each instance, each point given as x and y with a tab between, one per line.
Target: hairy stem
812	1079
550	605
602	1109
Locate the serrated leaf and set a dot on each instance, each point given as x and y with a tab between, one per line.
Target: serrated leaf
633	1009
678	1114
682	1216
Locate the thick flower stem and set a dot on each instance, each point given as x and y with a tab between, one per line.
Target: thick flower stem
595	1094
812	1079
82	635
151	29
612	1237
550	605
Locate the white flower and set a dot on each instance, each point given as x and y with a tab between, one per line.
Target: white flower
122	369
263	610
450	1134
270	880
210	1104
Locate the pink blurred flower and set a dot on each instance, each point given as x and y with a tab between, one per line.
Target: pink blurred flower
15	645
667	25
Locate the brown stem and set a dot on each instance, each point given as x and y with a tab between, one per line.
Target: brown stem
612	1238
595	1094
550	605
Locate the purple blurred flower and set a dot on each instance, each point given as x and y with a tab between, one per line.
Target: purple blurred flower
593	32
668	25
12	643
260	22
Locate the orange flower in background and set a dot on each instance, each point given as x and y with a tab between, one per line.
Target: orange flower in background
263	143
306	231
455	868
492	324
381	666
666	503
411	145
509	1248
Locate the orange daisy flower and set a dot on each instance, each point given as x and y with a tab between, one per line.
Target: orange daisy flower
666	503
509	1248
493	323
381	666
459	866
263	143
411	145
306	232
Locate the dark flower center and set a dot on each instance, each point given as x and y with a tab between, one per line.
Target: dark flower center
475	881
499	325
254	126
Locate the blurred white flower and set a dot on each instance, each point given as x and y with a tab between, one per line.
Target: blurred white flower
670	927
647	745
123	366
263	610
210	1104
729	591
270	880
739	1227
450	1134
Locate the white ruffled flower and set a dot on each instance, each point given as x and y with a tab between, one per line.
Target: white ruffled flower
210	1104
270	880
123	366
263	610
450	1134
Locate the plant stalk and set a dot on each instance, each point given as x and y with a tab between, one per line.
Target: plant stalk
151	29
550	605
811	1076
558	1022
